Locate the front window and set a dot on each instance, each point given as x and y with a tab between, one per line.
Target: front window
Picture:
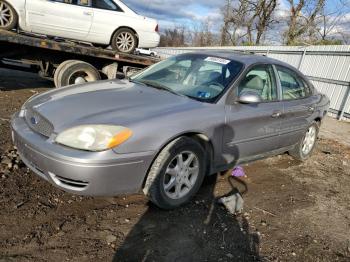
201	77
260	80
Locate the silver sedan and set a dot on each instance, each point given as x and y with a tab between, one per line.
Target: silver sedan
166	128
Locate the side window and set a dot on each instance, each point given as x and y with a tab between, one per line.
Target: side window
64	1
106	4
293	86
75	2
260	80
84	2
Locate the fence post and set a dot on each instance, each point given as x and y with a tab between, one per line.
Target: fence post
302	58
346	100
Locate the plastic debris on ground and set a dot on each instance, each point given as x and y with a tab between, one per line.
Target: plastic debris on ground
238	172
233	203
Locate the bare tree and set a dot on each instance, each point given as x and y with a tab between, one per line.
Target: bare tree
226	12
173	37
239	23
330	21
264	10
245	21
302	18
202	34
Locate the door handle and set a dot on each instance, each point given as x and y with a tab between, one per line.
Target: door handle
87	13
276	114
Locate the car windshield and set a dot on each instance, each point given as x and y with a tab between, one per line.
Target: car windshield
198	76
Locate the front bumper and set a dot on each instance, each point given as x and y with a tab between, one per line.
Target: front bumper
85	173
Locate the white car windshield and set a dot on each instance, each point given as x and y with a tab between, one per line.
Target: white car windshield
202	77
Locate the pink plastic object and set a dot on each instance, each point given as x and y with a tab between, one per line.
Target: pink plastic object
238	172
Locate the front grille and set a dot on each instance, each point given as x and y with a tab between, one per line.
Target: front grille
38	123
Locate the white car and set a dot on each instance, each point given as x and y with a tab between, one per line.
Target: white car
145	51
102	22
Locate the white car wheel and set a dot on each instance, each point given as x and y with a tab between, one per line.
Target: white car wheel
124	40
8	16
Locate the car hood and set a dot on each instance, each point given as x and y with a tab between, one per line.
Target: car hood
118	102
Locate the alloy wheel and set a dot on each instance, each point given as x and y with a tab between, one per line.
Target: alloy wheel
181	175
6	15
309	140
125	42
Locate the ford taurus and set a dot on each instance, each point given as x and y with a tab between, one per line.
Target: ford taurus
166	128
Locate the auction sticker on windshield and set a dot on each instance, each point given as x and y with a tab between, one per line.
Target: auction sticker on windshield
217	60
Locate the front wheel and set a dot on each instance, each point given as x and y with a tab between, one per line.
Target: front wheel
124	40
303	150
8	16
176	174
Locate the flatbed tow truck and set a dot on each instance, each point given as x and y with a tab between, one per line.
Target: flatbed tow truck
66	62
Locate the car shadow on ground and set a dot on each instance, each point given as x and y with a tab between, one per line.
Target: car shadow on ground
201	231
16	80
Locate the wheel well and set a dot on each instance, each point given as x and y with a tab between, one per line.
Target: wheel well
202	139
207	145
125	27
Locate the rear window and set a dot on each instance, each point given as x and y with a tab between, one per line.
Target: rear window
106	5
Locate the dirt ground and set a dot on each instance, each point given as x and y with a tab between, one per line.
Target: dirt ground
293	211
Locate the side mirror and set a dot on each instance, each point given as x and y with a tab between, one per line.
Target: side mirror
249	97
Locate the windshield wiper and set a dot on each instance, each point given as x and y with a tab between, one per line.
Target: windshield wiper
159	86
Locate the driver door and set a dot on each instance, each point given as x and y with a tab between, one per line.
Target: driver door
62	18
253	129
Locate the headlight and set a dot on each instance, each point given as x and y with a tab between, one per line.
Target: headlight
94	137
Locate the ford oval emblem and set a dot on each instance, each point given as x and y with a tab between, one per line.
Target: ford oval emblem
33	120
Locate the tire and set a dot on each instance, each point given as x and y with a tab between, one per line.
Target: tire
159	180
152	54
58	69
129	36
9	19
303	150
73	72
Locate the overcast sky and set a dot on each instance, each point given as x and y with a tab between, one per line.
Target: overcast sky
170	13
177	12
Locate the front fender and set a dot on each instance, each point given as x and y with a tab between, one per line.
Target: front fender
154	134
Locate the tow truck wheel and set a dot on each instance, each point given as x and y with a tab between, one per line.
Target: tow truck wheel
124	40
8	16
73	72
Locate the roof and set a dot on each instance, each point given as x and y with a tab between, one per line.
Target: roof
245	58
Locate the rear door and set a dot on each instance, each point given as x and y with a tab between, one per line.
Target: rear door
253	129
298	105
108	16
63	18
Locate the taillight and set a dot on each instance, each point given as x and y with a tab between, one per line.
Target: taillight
157	28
